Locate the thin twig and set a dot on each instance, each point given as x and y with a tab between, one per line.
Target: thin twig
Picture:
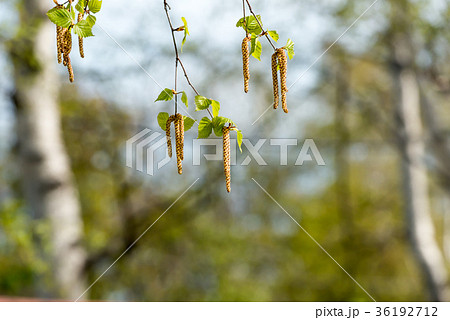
245	20
178	60
260	25
166	9
190	83
86	7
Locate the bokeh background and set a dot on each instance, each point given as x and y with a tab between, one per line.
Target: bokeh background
376	105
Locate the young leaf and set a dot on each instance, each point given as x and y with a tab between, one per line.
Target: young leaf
188	123
91	20
60	17
95	5
81	4
72	13
274	35
252	24
162	120
215	107
83	29
202	103
218	124
184	99
239	137
204	128
165	95
186	32
290	48
253	40
256	48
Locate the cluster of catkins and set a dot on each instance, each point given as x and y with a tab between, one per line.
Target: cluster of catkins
64	45
279	61
178	122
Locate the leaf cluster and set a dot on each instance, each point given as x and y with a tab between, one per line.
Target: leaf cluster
65	17
254	29
206	126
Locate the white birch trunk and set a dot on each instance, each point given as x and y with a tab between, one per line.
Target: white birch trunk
419	221
46	174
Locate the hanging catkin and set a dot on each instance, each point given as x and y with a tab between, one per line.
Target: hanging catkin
282	60
169	141
226	157
59	37
70	69
276	97
80	39
59	32
179	136
67	48
181	124
246	62
66	44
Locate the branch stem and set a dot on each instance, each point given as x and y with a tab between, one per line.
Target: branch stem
178	60
260	25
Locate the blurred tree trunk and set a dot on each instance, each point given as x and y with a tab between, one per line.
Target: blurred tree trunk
342	163
46	174
419	221
343	190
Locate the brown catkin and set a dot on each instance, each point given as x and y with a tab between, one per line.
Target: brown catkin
59	34
67	48
282	59
276	97
66	45
246	62
181	120
80	39
169	141
70	69
179	141
63	45
284	102
226	157
59	37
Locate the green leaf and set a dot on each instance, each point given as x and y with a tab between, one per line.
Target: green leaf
274	35
290	48
162	120
202	103
95	5
72	13
218	124
186	32
184	99
252	24
239	139
188	123
204	128
81	4
91	20
165	95
240	136
256	48
215	107
60	17
83	29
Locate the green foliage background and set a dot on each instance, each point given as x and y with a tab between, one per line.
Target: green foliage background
210	247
